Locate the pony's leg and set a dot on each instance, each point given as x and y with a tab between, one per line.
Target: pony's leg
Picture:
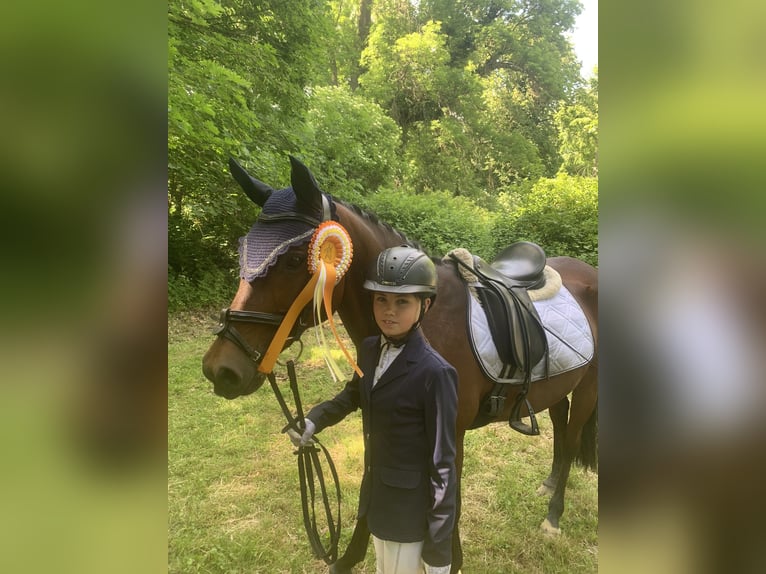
582	415
457	549
559	414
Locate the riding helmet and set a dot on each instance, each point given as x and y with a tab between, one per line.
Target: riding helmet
402	269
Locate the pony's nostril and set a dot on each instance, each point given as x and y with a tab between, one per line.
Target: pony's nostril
228	377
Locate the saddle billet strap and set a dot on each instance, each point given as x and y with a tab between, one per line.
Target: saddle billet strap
514	420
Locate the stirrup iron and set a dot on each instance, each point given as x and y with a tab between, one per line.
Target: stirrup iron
531	429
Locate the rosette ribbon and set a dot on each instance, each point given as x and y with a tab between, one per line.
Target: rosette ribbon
329	258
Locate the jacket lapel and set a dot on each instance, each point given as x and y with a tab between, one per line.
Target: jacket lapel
372	356
411	352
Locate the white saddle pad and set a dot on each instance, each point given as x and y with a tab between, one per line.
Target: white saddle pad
570	341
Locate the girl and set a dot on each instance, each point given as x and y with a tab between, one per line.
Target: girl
408	398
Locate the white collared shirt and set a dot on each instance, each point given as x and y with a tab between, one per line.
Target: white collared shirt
387	355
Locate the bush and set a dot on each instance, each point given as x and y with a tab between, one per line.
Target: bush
559	214
356	143
438	221
213	290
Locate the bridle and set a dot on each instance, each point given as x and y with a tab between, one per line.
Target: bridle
310	473
228	316
228	331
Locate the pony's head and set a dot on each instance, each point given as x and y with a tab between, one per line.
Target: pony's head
273	272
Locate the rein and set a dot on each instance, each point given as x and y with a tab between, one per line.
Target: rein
311	476
329	257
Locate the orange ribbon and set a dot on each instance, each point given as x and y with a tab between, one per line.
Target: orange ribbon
267	363
329	258
328	288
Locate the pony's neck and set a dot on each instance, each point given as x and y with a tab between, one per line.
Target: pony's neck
369	238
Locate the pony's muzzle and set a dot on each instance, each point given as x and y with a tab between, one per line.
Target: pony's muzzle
232	374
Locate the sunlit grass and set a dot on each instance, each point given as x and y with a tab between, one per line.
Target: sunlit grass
234	501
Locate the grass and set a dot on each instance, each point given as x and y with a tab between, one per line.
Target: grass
233	494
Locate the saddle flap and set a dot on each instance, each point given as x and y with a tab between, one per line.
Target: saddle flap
498	321
515	325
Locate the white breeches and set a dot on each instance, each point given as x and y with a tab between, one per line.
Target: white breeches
397	557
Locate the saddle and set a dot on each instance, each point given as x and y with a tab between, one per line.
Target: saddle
517	331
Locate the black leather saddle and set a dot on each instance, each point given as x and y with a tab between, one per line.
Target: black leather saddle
514	323
518	265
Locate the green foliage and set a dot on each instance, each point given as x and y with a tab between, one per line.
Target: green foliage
441	156
456	101
560	214
521	48
208	291
407	78
355	143
343	44
577	125
439	221
236	77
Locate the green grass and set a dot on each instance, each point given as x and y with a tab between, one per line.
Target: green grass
233	494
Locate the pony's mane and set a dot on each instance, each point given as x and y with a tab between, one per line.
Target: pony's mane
378	222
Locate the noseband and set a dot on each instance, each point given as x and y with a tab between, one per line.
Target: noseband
226	330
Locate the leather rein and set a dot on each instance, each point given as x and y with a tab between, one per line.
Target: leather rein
311	476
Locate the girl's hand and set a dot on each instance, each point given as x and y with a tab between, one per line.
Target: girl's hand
305	438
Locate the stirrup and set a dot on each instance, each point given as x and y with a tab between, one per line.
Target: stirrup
515	419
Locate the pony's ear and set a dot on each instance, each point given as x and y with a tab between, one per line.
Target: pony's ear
256	190
305	186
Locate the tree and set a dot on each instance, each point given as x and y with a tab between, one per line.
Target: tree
520	50
577	126
407	78
356	144
560	214
237	73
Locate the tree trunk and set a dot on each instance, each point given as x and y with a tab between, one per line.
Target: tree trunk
363	31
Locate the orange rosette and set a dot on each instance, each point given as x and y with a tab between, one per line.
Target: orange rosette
331	245
329	258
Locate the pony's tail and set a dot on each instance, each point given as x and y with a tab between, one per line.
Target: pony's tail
587	457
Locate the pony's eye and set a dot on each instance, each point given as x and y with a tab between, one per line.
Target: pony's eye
294	262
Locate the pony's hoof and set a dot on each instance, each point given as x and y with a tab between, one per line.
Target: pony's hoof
549	529
545	490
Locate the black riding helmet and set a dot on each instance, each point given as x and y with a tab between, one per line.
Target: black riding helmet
404	269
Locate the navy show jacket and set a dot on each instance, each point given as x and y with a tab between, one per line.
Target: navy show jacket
409	486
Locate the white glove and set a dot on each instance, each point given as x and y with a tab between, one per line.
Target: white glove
305	439
437	569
